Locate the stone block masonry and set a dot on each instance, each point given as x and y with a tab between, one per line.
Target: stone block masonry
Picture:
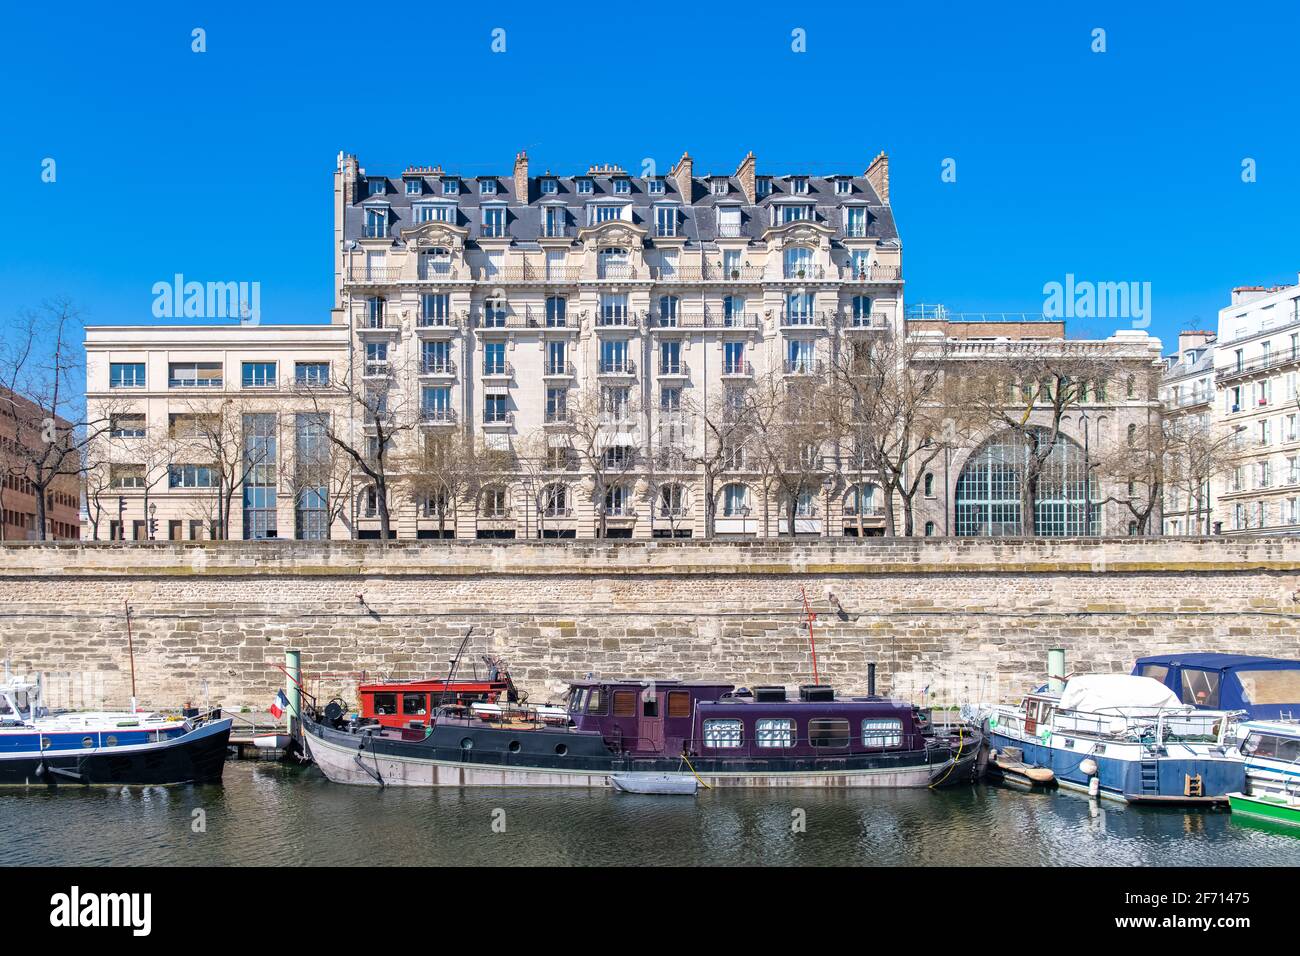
945	619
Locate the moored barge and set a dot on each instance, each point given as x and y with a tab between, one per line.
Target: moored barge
726	736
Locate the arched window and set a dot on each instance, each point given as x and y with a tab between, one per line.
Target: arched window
735	500
929	484
929	529
988	490
618	501
672	501
496	502
1132	435
798	263
555	501
861	499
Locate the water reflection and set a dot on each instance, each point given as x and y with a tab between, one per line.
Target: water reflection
284	815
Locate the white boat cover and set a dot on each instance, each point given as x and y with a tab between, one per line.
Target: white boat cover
1116	693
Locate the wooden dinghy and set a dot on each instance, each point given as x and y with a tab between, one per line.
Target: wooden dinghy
678	784
1008	765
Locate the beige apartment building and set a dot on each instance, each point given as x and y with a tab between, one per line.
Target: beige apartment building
586	337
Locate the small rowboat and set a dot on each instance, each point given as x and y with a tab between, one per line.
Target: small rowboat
1274	808
1008	765
680	784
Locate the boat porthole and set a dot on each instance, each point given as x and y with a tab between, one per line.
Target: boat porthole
45	743
110	741
87	742
561	749
514	746
466	744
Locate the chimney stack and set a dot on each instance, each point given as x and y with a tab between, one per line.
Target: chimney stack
878	175
521	176
681	174
747	179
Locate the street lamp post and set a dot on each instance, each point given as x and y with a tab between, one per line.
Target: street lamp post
153	520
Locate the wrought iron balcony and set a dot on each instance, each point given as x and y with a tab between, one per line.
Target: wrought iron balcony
435	415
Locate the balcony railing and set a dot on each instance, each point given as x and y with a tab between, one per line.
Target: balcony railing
615	319
1272	360
804	272
739	367
875	272
435	415
876	320
673	368
615	270
436	320
438	367
558	416
803	319
438	270
617	367
559	370
707	319
361	274
374	369
804	367
498	370
498	418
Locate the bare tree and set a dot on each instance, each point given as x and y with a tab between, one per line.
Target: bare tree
446	470
791	432
603	423
388	414
43	417
1198	453
540	457
724	426
317	475
890	402
1028	390
215	437
1137	464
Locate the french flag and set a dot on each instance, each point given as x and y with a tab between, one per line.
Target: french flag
279	705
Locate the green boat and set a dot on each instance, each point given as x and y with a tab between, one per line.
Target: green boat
1271	807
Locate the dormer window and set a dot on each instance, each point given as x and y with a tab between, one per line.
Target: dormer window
377	186
487	187
655	187
622	187
795	213
799	185
585	187
666	221
604	213
414	187
843	187
451	187
435	212
376	223
763	186
855	222
549	187
718	187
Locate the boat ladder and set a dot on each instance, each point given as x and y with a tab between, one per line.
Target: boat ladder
1193	786
1150	774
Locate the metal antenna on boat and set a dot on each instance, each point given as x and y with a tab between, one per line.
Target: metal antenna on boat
454	664
812	643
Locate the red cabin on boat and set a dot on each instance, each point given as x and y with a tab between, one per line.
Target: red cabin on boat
403	704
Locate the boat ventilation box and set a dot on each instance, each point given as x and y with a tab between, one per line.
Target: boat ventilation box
769	695
816	692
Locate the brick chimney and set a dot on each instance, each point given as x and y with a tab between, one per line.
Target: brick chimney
747	179
521	176
878	175
681	174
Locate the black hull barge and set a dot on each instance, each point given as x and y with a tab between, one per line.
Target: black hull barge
724	737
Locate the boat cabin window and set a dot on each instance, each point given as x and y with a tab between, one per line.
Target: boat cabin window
679	703
577	699
385	705
415	705
1271	687
1155	672
722	733
1200	688
1272	747
828	732
596	702
877	732
774	732
650	707
624	703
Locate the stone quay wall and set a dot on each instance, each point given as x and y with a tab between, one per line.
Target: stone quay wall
945	620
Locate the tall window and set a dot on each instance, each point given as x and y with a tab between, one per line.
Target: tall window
798	263
311	469
555	311
259	481
494	222
376	223
665	220
988	490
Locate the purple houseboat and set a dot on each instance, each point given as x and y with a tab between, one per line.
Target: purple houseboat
724	736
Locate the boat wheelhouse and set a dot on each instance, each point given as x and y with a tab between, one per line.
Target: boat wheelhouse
725	736
1272	752
1123	738
1265	688
128	748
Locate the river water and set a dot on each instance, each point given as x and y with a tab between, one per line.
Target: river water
283	814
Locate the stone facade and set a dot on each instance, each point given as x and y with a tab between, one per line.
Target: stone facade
965	619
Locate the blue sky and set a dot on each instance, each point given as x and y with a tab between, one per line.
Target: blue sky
1117	166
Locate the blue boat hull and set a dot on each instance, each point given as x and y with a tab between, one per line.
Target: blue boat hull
196	757
1123	779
